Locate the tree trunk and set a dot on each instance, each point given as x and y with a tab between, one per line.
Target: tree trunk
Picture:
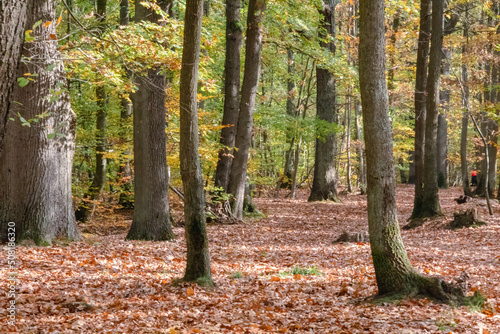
198	256
465	116
36	160
430	196
393	270
231	92
291	112
236	185
348	144
151	205
420	102
442	130
124	13
12	27
325	176
361	153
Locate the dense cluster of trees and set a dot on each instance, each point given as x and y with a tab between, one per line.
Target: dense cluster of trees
264	92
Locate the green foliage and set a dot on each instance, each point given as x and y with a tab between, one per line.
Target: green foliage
307	271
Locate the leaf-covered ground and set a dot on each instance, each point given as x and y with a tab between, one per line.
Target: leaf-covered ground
280	274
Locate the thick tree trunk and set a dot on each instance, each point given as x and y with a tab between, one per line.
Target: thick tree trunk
442	130
430	196
420	102
325	176
231	92
198	256
393	270
36	160
12	27
236	185
151	206
124	13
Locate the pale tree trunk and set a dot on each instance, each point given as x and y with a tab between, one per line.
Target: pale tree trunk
420	102
151	205
249	88
198	256
430	195
348	143
442	129
361	151
36	161
465	116
325	176
393	270
291	111
12	27
231	92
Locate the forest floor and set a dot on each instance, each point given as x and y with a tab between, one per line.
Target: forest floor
278	274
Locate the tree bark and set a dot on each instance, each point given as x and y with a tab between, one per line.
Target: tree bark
465	116
420	102
236	185
231	92
430	195
361	151
442	129
12	27
151	205
198	257
291	111
325	176
36	160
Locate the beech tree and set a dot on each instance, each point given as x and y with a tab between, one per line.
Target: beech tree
253	51
151	206
325	176
393	270
37	150
198	257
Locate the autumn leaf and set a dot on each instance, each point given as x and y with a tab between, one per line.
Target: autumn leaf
46	24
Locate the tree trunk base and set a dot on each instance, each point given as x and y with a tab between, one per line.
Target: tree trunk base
467	218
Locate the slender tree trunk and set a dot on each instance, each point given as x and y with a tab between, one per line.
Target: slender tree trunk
420	102
231	92
151	205
12	27
236	185
465	116
442	130
393	270
325	176
291	112
198	256
348	144
361	153
35	163
430	196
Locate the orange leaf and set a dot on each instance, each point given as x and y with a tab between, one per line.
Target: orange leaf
297	276
53	37
46	24
190	291
427	271
59	20
275	279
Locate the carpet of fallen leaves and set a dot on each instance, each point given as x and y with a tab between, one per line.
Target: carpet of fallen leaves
104	284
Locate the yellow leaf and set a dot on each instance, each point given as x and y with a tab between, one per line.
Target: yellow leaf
46	24
27	74
59	20
190	291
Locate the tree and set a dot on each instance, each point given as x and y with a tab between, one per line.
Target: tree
12	25
393	270
198	257
231	92
151	207
442	127
325	176
38	147
253	51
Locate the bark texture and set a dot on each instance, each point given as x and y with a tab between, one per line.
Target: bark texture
325	176
420	101
442	129
151	207
231	92
237	181
35	171
198	257
12	27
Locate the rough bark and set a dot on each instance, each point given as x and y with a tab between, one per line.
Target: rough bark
151	206
465	116
198	257
442	129
325	176
361	151
35	164
236	185
420	101
430	195
231	92
393	270
124	13
12	27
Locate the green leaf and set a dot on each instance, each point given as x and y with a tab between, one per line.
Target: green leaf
50	67
51	135
28	37
37	24
22	82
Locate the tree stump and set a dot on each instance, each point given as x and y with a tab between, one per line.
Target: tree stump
467	218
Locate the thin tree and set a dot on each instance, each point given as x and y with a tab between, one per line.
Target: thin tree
393	270
36	160
231	92
151	206
198	256
325	176
253	51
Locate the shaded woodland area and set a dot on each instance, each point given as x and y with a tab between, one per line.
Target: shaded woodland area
250	166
